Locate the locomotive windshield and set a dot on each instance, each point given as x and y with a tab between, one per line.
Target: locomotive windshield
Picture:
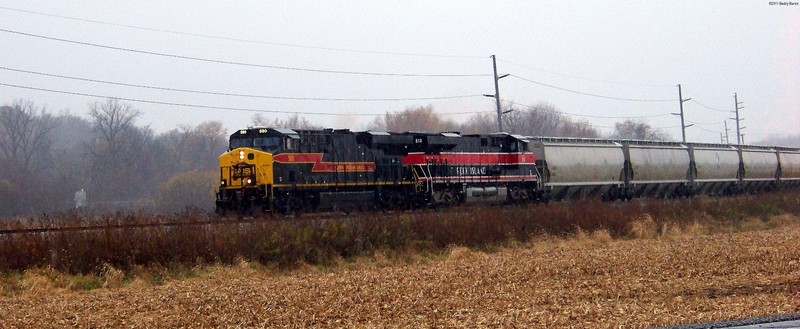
241	142
269	144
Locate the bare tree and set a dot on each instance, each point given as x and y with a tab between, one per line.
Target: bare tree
193	148
122	155
638	129
480	123
539	120
413	119
25	134
293	122
581	128
114	124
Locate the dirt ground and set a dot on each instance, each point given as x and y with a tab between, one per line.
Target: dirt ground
589	281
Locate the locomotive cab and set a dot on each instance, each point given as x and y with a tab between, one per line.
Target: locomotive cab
246	169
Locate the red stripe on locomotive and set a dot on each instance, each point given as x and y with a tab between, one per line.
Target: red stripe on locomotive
320	166
470	158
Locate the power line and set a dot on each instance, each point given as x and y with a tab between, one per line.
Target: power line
702	123
137	100
601	117
236	94
590	94
592	116
587	79
701	104
251	41
217	61
701	128
710	108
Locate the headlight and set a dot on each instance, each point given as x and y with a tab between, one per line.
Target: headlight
249	181
222	183
241	155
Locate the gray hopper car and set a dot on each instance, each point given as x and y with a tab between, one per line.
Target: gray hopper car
623	169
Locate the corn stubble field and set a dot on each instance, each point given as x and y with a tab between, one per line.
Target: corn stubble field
579	264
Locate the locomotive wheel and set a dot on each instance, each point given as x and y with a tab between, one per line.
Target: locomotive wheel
449	197
517	195
524	195
391	200
246	208
284	204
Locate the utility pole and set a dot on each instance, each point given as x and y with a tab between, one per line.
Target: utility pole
738	127
721	139
681	101
497	94
727	139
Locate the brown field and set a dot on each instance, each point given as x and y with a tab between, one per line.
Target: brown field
659	275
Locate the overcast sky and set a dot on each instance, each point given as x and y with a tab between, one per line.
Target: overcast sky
363	50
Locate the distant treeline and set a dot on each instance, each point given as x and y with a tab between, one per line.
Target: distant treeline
51	161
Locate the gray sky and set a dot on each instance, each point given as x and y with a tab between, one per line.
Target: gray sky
633	50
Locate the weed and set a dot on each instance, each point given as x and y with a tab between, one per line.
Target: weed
285	243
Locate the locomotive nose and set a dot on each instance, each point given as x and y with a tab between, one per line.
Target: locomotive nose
245	167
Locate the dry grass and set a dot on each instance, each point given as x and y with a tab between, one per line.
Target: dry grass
664	275
285	242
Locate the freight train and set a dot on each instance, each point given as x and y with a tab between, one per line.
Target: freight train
291	171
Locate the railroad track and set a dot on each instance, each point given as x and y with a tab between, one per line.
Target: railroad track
219	221
214	220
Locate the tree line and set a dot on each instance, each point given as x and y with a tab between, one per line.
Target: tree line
540	120
118	163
